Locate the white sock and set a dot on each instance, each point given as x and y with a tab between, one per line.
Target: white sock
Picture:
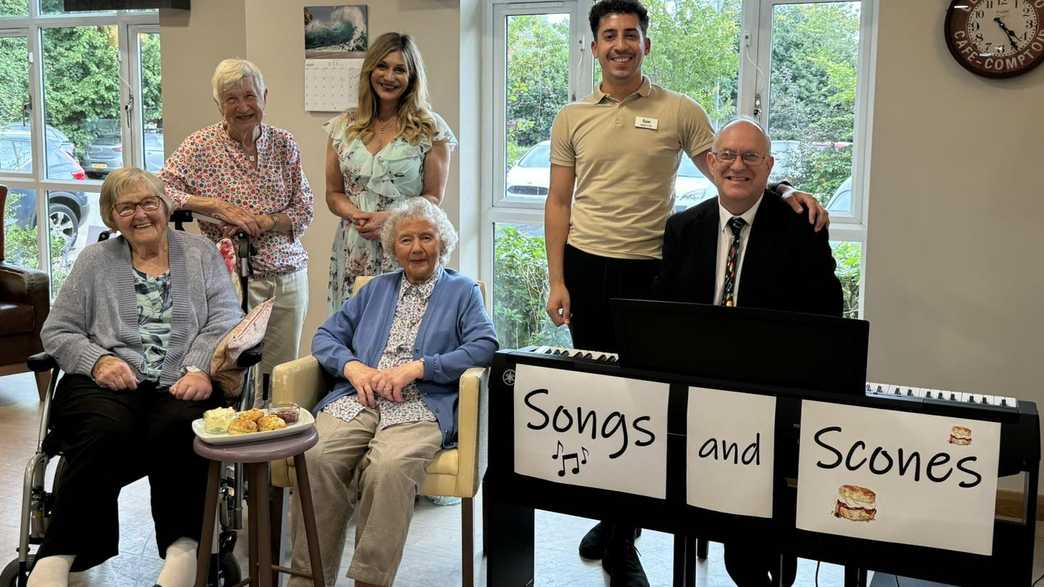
51	571
179	568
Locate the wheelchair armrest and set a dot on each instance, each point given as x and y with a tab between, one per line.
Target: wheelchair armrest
250	357
41	362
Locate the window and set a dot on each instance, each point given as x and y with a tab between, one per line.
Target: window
79	97
800	67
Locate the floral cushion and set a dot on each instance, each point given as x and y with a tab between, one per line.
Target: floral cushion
247	334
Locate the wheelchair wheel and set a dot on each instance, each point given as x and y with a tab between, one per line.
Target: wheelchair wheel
10	575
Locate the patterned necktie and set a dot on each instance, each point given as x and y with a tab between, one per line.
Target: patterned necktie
728	289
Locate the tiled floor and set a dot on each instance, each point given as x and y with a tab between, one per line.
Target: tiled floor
432	554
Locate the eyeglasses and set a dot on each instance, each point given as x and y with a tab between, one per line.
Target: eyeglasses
125	209
749	157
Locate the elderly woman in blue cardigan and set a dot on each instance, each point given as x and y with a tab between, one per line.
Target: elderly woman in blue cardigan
396	350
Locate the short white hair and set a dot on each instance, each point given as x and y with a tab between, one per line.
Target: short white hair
418	208
233	72
745	120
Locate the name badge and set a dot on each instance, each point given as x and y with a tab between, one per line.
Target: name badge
644	122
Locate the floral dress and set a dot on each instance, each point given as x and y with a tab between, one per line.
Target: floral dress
373	183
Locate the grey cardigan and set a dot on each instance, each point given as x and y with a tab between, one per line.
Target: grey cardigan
96	312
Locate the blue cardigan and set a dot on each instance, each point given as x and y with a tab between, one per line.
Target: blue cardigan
455	334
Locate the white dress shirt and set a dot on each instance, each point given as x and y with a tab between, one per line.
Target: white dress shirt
724	242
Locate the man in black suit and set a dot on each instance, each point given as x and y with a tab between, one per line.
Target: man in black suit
779	261
746	248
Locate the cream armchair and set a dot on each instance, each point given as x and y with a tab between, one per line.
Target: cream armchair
454	472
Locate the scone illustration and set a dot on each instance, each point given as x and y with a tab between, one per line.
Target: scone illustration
855	503
960	435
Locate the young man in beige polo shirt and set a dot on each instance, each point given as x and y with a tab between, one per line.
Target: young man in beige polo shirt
614	157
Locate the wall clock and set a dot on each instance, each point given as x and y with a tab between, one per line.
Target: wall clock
996	38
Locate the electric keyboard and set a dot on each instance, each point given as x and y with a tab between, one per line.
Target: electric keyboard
977	400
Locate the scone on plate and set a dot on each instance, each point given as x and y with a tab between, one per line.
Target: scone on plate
271	422
252	415
241	426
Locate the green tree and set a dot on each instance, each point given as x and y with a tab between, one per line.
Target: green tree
151	78
519	291
849	257
14	79
81	81
695	51
814	58
537	80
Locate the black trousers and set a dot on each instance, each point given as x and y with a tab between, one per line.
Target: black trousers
111	439
592	280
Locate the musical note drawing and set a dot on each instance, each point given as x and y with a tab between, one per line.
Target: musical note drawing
577	458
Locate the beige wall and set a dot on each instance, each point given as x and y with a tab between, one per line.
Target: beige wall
269	33
956	216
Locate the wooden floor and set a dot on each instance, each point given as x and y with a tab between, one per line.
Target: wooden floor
432	553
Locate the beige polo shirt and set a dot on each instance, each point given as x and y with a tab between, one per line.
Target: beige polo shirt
625	155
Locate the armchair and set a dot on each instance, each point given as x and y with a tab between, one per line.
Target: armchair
454	472
24	305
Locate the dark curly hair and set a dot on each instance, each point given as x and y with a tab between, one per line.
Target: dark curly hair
607	7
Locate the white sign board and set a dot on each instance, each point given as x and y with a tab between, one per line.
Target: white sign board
730	450
898	477
591	430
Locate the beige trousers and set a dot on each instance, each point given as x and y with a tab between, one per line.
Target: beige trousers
283	338
388	467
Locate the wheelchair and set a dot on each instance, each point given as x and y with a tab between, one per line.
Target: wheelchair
38	498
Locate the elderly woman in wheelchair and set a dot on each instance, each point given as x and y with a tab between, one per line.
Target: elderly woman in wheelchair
134	328
395	350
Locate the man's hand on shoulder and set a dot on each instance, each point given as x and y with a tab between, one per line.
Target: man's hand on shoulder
799	201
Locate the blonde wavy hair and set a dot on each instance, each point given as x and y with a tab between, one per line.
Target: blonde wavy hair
415	118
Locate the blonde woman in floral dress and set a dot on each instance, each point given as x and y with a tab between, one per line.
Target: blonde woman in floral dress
392	147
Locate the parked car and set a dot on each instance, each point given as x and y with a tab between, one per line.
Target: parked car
531	176
52	135
67	210
105	153
154	151
841	201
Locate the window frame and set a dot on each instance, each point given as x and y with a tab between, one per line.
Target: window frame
843	227
32	27
755	41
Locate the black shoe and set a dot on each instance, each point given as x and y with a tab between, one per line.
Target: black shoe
593	544
624	568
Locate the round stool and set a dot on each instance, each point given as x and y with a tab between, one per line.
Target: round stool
255	457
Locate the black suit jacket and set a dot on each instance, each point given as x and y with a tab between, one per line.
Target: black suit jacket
786	266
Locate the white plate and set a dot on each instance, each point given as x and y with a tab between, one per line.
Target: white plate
305	420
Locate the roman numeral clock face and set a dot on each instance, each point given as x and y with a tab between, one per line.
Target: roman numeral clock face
996	38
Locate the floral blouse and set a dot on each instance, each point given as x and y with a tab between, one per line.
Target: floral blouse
210	164
155	311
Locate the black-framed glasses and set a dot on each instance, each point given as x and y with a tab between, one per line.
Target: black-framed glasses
749	157
125	209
